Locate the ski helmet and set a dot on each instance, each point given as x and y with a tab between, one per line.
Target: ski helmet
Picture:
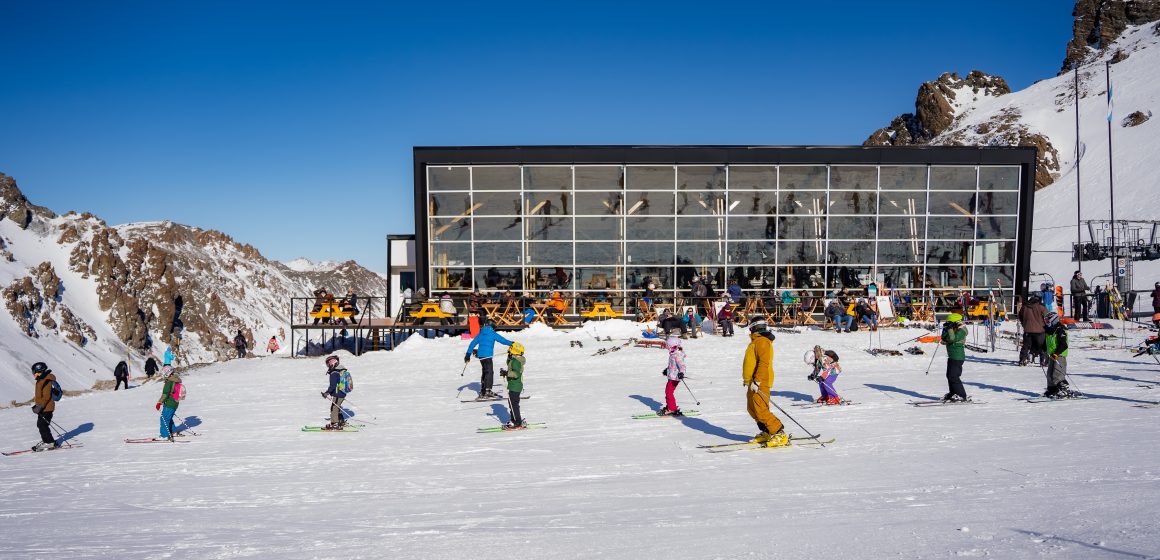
331	361
672	342
1034	299
832	355
758	325
489	322
39	368
1051	320
516	349
954	318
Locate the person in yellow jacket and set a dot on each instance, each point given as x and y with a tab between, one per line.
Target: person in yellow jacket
757	375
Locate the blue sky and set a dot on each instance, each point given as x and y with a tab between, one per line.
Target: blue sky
289	125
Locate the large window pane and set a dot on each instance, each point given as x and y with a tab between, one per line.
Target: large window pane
954	203
700	203
547	278
997	252
599	177
701	178
547	178
598	253
795	252
849	277
753	202
650	203
753	279
649	253
495	178
802	177
902	177
649	228
701	228
793	202
948	276
900	252
901	276
952	178
498	229
851	252
547	203
948	252
498	204
994	277
903	203
950	228
752	227
752	177
801	228
448	178
853	177
913	227
851	227
497	254
451	254
660	276
451	229
802	277
600	229
448	204
751	252
444	278
545	229
998	203
598	278
995	178
541	253
599	204
699	253
857	202
650	177
991	227
497	278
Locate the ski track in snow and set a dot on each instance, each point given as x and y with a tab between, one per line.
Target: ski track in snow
1005	479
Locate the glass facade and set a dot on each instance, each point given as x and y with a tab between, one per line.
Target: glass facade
612	229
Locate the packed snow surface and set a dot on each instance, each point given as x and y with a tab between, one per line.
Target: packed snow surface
1003	479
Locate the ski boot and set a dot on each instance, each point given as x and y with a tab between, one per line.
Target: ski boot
761	438
332	427
513	426
777	440
821	399
663	412
677	412
834	400
43	446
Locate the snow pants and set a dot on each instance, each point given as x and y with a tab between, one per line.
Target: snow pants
514	405
1056	372
1032	349
487	377
826	386
167	421
241	351
1079	307
120	380
726	327
43	421
336	411
757	404
954	375
671	394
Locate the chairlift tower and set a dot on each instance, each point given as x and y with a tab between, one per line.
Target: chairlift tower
1135	240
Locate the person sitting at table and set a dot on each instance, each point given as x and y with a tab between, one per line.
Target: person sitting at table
475	303
556	306
788	299
350	305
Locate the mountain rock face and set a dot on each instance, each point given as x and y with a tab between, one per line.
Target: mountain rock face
1099	22
935	108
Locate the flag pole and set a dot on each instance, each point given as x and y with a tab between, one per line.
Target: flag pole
1078	198
1111	176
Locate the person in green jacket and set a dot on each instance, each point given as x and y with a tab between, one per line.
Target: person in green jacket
1056	342
954	336
515	385
171	395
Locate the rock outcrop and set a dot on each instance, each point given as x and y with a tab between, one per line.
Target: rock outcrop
936	106
1099	22
15	207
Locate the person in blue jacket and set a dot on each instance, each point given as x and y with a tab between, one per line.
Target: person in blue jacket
734	291
484	347
168	357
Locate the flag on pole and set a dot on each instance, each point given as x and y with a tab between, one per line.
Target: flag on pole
1109	98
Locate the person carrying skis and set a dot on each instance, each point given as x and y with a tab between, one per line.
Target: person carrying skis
150	367
1056	345
43	405
514	374
1032	316
483	346
272	346
954	336
240	344
171	395
757	376
340	386
674	373
826	371
121	374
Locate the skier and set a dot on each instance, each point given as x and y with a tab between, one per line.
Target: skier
272	346
954	336
240	344
826	374
43	405
515	385
121	374
1057	346
150	367
1079	301
484	347
171	395
674	373
340	386
1031	316
757	376
168	357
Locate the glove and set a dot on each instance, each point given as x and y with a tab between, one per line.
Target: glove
502	372
665	372
680	375
158	406
37	408
324	395
754	387
467	358
812	377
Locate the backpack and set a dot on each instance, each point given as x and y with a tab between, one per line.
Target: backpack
178	393
345	383
56	391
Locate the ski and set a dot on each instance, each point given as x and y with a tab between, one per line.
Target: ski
821	405
154	440
884	352
24	451
976	348
942	403
749	446
653	415
531	426
1049	399
496	399
348	428
740	443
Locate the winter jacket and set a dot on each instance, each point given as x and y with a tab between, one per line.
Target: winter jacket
484	343
168	357
734	292
1031	317
956	340
272	346
475	303
670	324
515	373
150	366
676	363
864	310
725	314
167	400
1156	297
1057	341
447	306
332	390
758	364
831	369
692	320
121	371
43	395
1079	286
835	309
240	342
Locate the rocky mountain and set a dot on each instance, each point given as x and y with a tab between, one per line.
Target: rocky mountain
1100	22
82	294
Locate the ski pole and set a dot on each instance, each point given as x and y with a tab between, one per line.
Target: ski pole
932	355
181	422
1066	375
356	406
816	437
686	384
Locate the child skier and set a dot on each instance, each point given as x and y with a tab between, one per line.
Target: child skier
484	346
954	336
515	385
272	346
171	395
674	373
826	371
1056	339
340	385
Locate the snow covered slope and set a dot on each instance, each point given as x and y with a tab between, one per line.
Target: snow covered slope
302	264
1004	479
